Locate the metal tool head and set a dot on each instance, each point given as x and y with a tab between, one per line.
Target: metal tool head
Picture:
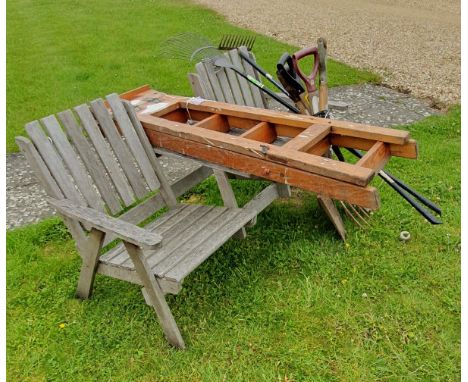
233	41
288	77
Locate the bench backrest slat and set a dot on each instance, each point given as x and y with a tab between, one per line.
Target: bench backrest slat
96	157
225	85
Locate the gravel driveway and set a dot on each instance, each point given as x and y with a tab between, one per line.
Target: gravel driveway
413	44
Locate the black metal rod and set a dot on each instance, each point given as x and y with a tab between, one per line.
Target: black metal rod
404	192
263	72
262	87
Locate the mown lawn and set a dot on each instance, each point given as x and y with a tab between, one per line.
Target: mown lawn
289	303
62	53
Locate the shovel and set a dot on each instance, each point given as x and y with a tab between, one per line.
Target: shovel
309	80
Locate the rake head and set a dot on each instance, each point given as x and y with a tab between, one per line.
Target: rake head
232	41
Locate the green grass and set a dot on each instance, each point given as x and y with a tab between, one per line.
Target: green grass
289	303
62	53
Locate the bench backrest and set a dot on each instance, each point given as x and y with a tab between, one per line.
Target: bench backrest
95	157
224	85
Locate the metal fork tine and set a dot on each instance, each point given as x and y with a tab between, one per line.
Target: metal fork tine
353	208
350	215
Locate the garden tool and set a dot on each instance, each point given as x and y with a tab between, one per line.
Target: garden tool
309	80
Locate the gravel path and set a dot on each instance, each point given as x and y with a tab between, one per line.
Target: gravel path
413	44
367	104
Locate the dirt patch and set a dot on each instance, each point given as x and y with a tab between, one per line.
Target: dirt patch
414	45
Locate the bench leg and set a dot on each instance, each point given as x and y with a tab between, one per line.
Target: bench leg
228	196
90	260
156	296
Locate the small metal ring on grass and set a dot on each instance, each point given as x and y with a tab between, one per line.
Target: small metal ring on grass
405	236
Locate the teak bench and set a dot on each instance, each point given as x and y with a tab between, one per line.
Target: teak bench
101	174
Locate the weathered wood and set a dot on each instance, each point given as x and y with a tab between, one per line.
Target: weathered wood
376	158
104	152
249	70
311	163
195	83
208	92
214	81
202	246
408	150
243	83
51	187
132	140
233	81
89	264
165	189
332	212
364	196
229	198
262	132
123	230
121	150
91	160
308	138
358	130
156	296
71	159
54	162
214	122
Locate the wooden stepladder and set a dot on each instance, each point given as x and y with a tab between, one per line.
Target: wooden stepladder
224	85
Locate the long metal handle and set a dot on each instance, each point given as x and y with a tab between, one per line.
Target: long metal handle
262	87
403	191
263	72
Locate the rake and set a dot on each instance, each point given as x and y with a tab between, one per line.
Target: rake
193	47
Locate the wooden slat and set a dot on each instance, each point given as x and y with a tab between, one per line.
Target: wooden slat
214	82
176	249
228	196
214	122
132	94
243	83
406	150
166	190
170	227
376	158
256	92
121	150
50	185
308	138
202	246
296	120
54	162
126	231
321	148
92	161
262	132
195	83
311	163
133	141
225	86
364	196
73	162
180	233
204	81
117	254
233	81
104	152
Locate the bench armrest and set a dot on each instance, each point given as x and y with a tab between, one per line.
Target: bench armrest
123	230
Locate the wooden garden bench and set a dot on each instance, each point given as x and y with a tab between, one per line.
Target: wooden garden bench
103	177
